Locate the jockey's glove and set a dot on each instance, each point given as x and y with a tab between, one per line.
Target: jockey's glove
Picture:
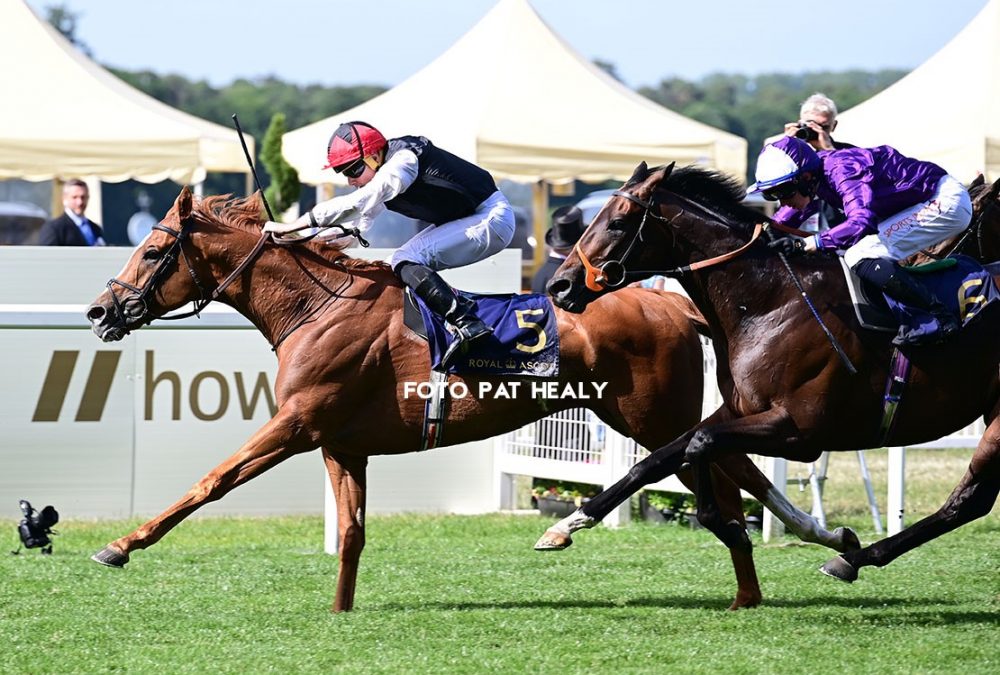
788	245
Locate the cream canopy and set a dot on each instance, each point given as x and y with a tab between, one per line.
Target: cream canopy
947	110
514	98
65	116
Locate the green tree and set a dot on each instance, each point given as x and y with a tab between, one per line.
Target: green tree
63	20
284	188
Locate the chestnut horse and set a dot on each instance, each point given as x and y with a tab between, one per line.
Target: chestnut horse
344	355
786	390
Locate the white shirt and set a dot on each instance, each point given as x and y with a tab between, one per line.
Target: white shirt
361	207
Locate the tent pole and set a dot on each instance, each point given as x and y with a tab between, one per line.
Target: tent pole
540	215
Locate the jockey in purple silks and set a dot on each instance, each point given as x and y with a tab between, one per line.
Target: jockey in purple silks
895	207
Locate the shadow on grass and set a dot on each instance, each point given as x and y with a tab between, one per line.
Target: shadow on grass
931	612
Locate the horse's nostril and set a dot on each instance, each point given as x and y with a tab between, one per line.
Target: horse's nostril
556	287
95	313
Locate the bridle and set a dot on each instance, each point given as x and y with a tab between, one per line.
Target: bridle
613	273
134	307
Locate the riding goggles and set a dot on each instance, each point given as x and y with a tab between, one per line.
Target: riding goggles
778	192
354	169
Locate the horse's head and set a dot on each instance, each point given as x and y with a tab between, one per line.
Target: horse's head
168	269
614	242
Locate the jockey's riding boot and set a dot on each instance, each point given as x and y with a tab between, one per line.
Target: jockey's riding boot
902	286
441	299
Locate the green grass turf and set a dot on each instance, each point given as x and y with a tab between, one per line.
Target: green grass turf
467	594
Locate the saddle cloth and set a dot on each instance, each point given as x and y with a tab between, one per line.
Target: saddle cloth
525	338
965	287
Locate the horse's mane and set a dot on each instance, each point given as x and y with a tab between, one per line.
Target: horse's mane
712	189
247	214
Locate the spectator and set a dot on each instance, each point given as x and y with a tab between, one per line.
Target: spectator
817	121
567	228
72	228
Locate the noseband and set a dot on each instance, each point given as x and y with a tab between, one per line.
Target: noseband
613	273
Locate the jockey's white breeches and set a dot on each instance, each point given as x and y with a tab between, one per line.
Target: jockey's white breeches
945	214
463	241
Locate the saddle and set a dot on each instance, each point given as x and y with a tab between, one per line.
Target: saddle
965	286
525	340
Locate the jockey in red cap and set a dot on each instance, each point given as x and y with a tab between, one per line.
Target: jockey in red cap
470	218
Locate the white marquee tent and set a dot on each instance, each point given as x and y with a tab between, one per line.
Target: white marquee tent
947	110
65	116
514	98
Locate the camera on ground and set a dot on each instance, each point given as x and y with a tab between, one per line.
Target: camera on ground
35	529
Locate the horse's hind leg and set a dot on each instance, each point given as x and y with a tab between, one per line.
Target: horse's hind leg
731	509
348	478
747	476
271	444
973	498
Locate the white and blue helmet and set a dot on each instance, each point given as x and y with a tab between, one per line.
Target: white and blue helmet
788	163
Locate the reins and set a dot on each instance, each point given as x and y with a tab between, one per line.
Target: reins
613	273
597	279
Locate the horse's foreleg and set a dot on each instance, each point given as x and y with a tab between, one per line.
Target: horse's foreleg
973	498
348	478
657	466
274	442
745	473
731	507
771	431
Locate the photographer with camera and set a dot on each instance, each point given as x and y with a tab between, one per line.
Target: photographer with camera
817	120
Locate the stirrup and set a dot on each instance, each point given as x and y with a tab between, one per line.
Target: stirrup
465	334
948	328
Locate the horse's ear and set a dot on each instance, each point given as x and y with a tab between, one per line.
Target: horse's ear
979	180
183	203
662	172
995	189
639	174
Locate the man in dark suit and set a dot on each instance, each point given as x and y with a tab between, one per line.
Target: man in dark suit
567	228
72	228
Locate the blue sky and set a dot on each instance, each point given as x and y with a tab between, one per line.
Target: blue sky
382	42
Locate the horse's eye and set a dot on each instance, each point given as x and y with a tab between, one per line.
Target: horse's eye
617	224
151	255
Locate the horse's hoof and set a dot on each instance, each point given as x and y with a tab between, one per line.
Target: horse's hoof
110	557
553	541
746	601
848	539
838	568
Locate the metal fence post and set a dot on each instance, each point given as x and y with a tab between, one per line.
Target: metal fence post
616	465
776	470
896	499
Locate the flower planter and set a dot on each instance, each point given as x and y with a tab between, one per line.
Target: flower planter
559	508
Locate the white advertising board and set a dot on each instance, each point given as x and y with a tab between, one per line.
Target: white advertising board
120	429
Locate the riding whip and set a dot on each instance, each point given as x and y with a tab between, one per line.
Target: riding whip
239	130
829	336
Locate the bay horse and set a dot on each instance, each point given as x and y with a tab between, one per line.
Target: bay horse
345	354
786	391
981	240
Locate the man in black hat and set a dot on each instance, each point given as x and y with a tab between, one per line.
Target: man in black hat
567	228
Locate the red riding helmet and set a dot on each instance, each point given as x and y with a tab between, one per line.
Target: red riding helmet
350	142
